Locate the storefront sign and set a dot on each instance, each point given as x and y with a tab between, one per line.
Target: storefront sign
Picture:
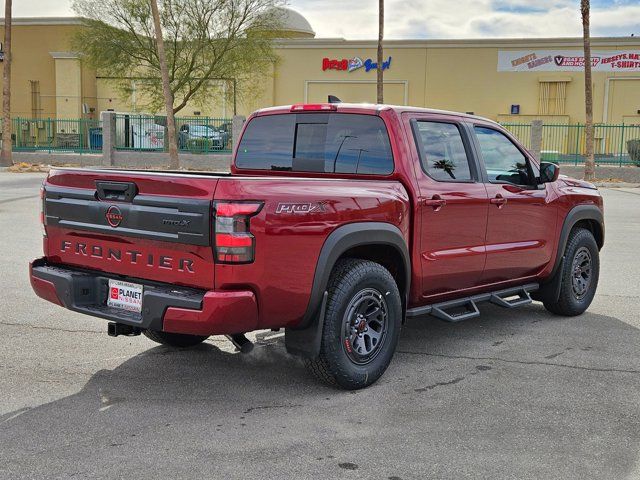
567	61
353	64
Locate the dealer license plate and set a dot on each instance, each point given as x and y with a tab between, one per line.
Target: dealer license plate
125	296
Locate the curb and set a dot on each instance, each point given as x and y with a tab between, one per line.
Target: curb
617	185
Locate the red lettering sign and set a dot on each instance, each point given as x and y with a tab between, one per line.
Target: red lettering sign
329	64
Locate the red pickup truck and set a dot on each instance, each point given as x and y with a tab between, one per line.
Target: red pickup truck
336	223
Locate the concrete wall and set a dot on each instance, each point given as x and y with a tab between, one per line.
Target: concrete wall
605	173
35	44
189	161
459	75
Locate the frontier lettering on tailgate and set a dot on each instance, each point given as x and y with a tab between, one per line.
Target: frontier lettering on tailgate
131	256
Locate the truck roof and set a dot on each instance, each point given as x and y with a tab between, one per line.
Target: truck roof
364	108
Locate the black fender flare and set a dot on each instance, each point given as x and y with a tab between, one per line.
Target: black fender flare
305	338
576	214
550	288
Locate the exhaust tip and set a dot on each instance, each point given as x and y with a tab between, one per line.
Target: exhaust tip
242	343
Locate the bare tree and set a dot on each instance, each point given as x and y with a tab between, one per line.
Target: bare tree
380	76
174	161
5	155
207	43
589	163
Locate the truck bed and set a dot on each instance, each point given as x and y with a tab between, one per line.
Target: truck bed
165	230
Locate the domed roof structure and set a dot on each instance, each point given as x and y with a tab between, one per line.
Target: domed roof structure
293	23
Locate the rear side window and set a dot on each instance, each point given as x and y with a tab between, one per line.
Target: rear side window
317	142
442	151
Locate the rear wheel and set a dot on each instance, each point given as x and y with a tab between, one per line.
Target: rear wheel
174	339
361	325
579	275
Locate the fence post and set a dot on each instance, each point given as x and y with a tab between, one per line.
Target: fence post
577	144
236	127
108	137
621	144
536	139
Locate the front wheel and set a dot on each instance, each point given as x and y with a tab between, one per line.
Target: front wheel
361	325
579	275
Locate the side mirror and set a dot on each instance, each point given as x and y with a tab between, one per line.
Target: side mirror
549	172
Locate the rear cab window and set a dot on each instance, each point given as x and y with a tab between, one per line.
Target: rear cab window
316	142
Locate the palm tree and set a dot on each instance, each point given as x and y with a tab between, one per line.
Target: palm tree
166	89
380	98
589	163
447	165
5	154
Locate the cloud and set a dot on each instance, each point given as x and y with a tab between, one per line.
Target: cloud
42	8
357	19
468	18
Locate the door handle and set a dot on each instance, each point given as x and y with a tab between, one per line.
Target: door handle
499	200
116	191
436	202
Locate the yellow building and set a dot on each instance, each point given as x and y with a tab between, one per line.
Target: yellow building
506	80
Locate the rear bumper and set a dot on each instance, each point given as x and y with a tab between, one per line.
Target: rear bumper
164	307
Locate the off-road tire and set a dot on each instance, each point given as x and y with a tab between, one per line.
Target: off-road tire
349	279
580	243
174	339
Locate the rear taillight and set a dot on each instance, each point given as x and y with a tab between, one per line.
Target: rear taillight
42	211
234	242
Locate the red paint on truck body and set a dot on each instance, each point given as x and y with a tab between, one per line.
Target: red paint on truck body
288	244
452	253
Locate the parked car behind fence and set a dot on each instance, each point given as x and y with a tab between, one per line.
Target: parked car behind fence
195	134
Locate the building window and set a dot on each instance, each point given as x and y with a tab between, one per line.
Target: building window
553	95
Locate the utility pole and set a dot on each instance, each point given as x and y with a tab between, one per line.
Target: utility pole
5	154
380	76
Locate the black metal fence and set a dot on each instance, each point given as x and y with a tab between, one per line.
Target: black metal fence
561	143
195	134
56	135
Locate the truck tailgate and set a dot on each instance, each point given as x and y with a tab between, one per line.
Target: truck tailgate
146	225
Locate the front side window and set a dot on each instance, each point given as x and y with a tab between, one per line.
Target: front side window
317	142
504	162
442	151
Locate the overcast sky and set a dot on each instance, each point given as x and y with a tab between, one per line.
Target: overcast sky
353	19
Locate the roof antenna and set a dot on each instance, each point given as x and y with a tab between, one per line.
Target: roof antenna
334	99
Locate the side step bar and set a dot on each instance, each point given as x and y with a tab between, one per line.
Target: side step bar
466	308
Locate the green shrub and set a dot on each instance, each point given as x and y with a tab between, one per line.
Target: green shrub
633	147
199	144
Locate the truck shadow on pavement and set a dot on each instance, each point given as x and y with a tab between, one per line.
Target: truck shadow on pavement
511	394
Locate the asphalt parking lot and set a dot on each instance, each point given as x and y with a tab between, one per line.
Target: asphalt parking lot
513	395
